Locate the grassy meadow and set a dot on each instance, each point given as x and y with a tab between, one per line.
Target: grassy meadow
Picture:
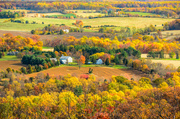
137	22
8	58
140	13
89	14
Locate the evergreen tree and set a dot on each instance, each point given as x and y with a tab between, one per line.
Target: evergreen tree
125	61
1	54
161	54
107	61
86	61
177	55
116	60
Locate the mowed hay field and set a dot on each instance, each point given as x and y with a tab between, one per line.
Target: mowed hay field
137	22
99	72
176	63
16	65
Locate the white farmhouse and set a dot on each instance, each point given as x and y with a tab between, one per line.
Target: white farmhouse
99	61
65	59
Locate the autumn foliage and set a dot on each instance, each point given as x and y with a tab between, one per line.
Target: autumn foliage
9	42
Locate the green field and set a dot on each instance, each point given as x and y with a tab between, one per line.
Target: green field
8	58
137	22
141	13
89	14
64	15
80	11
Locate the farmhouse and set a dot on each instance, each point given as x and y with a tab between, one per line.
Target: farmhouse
66	59
99	61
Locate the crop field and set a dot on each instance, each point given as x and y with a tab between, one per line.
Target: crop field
16	65
99	72
140	13
176	63
118	21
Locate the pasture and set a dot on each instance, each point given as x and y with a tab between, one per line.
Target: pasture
89	14
137	22
8	58
42	14
141	13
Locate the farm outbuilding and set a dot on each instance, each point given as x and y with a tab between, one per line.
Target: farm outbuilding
99	61
53	59
66	59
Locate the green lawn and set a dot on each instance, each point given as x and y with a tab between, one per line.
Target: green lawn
140	13
8	58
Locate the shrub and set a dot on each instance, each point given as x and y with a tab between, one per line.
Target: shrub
178	69
8	69
145	80
1	54
90	70
78	90
84	76
120	79
171	55
158	81
27	22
